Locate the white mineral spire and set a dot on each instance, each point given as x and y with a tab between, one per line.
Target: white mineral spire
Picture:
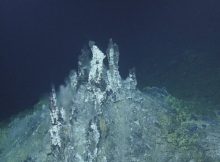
131	80
97	65
96	74
55	123
84	65
54	112
114	77
58	118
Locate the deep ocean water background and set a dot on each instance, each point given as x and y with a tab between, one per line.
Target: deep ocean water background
171	44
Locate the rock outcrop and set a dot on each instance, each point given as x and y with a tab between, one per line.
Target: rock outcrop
99	117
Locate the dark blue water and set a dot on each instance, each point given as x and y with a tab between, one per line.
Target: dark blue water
171	44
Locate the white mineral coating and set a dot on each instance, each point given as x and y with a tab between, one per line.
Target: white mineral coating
73	79
95	141
63	113
55	136
96	132
96	73
84	64
99	117
97	65
55	122
131	81
114	77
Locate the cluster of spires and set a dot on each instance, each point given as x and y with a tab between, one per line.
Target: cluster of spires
100	80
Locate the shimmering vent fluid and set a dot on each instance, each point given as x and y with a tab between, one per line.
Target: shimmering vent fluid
99	117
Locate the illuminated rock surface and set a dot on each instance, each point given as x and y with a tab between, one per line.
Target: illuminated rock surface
99	117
